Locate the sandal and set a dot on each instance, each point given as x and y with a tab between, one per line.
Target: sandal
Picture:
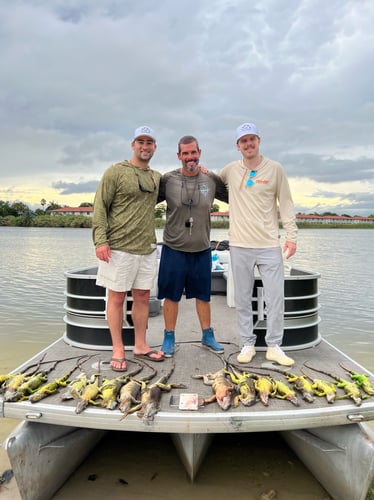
148	356
121	361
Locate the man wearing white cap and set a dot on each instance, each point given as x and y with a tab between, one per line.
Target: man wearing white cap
257	187
125	240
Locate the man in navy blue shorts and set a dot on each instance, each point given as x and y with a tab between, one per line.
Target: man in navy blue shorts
186	263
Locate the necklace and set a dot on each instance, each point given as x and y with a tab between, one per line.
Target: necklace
188	198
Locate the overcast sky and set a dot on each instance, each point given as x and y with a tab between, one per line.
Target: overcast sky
78	76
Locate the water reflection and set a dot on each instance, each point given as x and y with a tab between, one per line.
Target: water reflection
33	283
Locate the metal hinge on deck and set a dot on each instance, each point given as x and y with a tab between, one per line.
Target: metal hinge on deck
356	417
33	415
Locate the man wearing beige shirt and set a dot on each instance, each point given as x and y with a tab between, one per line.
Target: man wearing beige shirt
258	187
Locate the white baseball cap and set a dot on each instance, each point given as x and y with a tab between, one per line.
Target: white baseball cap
144	131
245	129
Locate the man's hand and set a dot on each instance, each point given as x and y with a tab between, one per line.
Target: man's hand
103	252
289	249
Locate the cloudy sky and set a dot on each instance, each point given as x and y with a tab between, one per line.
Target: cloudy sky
78	76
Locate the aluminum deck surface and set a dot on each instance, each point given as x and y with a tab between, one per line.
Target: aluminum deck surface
190	358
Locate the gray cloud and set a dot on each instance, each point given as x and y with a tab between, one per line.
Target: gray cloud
79	76
75	188
328	169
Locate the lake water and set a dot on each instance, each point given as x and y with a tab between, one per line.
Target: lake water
32	285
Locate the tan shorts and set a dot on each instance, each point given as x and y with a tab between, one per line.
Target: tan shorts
125	271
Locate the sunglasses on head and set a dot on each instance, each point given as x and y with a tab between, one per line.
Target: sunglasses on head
251	175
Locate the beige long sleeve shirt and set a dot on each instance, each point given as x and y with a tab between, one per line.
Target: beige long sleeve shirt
254	209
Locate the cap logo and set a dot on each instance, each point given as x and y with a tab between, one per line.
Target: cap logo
246	129
247	126
145	130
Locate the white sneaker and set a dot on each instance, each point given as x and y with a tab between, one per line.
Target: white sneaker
246	354
276	354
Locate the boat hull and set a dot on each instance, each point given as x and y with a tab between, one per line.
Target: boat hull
340	457
319	432
43	456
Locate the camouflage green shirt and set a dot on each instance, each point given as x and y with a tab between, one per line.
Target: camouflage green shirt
124	209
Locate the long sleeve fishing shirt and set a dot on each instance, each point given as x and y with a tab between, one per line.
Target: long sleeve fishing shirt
254	208
124	205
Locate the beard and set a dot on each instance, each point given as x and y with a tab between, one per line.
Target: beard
191	166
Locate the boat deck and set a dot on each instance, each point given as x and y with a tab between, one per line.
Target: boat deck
54	439
191	358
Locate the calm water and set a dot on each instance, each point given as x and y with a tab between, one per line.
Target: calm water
32	284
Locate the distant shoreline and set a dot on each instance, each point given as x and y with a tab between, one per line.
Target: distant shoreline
82	221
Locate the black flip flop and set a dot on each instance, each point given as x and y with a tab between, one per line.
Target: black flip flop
147	356
118	360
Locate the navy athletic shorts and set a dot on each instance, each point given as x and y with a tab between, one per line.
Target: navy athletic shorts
184	271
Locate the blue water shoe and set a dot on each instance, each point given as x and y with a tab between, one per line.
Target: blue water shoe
168	344
210	342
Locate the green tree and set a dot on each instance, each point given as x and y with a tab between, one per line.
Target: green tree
20	208
160	210
52	205
4	208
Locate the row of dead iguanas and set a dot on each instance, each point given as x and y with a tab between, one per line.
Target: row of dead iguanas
231	386
122	391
